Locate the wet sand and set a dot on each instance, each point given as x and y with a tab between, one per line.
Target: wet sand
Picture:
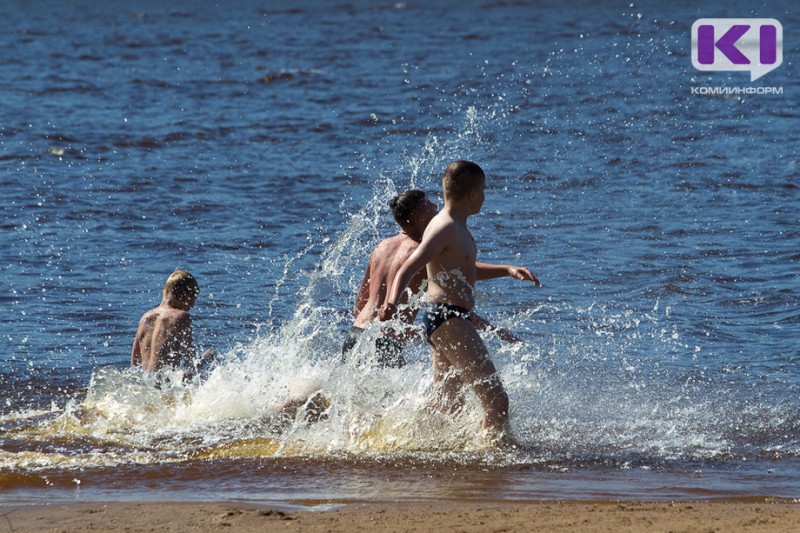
388	517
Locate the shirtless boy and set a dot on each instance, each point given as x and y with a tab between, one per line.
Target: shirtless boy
449	253
164	337
412	211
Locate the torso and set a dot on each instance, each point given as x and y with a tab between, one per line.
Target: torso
161	341
452	274
386	260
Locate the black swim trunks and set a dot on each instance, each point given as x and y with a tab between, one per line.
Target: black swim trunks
437	313
388	351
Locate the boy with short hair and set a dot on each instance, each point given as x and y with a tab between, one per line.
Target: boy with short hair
412	211
164	337
449	253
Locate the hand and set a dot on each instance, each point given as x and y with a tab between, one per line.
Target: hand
523	274
507	336
208	356
387	312
205	360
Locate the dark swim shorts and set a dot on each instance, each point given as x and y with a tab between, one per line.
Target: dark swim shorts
387	350
437	313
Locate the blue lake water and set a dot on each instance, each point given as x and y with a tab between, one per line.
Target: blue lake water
258	144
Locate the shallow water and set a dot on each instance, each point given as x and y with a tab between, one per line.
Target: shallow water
258	146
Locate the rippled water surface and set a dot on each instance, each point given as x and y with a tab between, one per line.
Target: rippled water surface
257	146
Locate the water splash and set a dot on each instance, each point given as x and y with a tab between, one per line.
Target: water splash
581	396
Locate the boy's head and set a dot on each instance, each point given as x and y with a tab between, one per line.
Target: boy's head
462	178
182	286
412	208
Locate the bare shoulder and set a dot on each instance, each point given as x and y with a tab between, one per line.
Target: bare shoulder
388	246
388	250
181	318
168	317
442	225
149	317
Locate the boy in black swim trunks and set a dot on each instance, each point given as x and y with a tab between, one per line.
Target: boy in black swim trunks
449	253
413	212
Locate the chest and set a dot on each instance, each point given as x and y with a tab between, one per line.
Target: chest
464	246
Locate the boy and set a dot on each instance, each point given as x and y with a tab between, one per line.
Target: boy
449	253
412	211
164	337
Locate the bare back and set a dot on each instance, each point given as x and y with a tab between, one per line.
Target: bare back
164	338
452	273
385	261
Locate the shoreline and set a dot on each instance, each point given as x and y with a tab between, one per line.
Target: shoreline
438	516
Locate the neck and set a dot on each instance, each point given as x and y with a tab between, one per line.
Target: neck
175	303
413	233
460	212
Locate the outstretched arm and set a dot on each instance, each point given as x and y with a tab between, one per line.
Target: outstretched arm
484	325
488	271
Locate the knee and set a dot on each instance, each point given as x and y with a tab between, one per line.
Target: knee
498	396
495	395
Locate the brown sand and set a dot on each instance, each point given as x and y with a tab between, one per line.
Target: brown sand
433	517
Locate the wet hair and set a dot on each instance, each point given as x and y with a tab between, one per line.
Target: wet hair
181	284
405	205
460	177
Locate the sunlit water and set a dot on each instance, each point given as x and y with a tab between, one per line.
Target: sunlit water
258	146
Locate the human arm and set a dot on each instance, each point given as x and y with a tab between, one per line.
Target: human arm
362	297
136	352
199	364
402	328
484	325
489	271
140	353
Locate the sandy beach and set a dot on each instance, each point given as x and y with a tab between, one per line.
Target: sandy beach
438	516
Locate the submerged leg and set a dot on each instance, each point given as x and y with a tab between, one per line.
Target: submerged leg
457	342
448	385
